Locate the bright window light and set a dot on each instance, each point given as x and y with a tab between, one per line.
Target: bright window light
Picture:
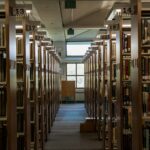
77	48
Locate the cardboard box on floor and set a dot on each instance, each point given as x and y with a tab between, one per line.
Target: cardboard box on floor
88	125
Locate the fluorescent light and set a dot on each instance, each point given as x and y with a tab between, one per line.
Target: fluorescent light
106	25
113	41
19	36
38	26
28	11
126	25
118	10
30	36
19	26
113	35
50	46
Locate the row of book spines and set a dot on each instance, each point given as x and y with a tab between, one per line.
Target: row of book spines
20	97
126	69
145	30
31	51
114	139
146	68
146	138
3	102
126	43
113	50
127	141
127	118
32	113
114	71
146	99
20	121
32	132
19	46
21	143
3	136
32	72
20	71
127	96
2	66
2	35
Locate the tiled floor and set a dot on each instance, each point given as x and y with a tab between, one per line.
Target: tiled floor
65	133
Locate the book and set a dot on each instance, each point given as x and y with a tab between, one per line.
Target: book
20	143
20	95
146	99
126	69
2	35
126	42
3	102
145	67
31	51
2	66
3	136
32	132
146	136
20	71
20	121
145	31
32	112
19	46
126	94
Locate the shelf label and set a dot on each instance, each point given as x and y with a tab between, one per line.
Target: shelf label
130	10
31	27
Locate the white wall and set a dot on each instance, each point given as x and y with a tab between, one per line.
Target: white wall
61	47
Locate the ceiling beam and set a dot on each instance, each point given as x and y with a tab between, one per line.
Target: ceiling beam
85	21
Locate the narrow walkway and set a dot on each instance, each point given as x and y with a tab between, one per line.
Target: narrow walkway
65	134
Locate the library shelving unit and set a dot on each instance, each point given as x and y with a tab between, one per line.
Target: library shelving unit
47	63
102	96
86	70
7	78
120	94
33	82
87	83
111	89
29	80
123	79
27	134
140	73
55	83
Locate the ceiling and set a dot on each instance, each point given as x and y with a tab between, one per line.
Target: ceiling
86	19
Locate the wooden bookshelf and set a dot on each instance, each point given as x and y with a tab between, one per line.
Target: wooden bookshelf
120	95
23	85
102	93
29	81
123	80
7	79
140	74
33	88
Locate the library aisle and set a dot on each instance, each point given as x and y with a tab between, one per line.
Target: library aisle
65	133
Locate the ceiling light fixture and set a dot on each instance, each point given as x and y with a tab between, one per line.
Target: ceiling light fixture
19	26
70	31
126	25
70	4
28	11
